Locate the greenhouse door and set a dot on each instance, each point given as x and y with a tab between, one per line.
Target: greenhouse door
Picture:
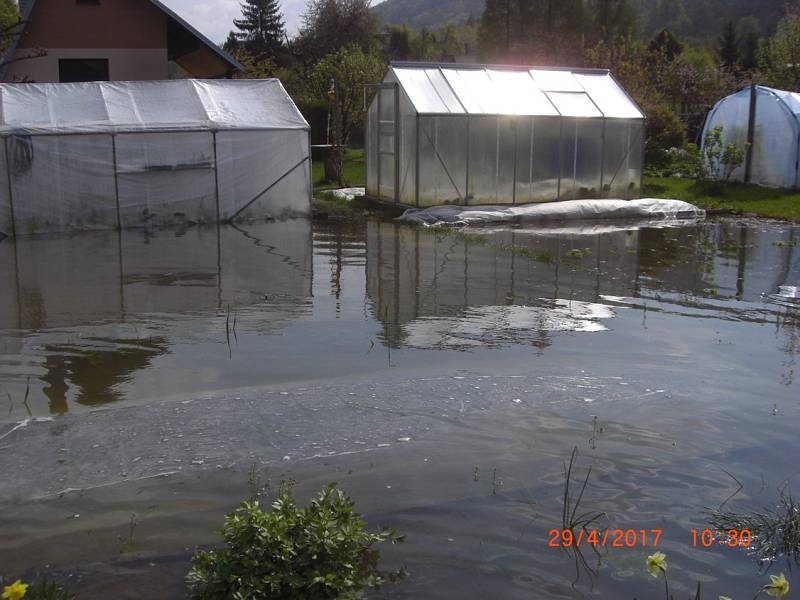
388	142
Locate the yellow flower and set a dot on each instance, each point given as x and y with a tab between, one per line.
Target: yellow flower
779	586
15	591
657	563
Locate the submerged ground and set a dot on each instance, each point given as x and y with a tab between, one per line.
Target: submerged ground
443	380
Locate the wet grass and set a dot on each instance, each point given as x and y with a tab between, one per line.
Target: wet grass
776	531
353	167
735	198
328	206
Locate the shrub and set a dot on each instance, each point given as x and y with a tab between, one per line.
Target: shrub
321	551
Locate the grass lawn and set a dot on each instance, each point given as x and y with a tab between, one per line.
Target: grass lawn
354	171
752	199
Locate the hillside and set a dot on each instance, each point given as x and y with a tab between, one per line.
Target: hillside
428	13
697	20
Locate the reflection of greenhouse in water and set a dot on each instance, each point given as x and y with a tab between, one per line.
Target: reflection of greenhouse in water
438	291
472	134
457	291
94	309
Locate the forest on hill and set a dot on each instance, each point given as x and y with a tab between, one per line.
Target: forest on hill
696	20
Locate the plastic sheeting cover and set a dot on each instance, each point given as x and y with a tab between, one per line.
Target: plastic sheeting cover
120	106
646	208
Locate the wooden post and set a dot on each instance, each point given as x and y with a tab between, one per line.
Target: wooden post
10	192
751	134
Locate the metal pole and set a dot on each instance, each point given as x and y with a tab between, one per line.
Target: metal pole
216	172
396	143
514	189
116	179
380	133
602	157
466	188
416	164
751	132
10	193
560	155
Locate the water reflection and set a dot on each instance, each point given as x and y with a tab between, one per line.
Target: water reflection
103	317
435	290
86	313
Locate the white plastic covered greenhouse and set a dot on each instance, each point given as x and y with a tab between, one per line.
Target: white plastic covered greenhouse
770	120
478	134
104	155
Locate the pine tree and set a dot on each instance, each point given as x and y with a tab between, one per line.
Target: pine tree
728	47
261	28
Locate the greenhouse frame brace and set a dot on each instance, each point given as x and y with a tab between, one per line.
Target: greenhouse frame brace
128	154
487	134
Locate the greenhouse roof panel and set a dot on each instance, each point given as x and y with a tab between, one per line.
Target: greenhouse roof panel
122	106
450	88
609	97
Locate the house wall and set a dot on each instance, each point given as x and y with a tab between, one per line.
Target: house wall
131	34
124	64
109	24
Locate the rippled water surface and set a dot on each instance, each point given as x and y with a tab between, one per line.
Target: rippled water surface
442	379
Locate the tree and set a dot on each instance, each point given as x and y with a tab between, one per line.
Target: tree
729	48
261	28
779	58
612	18
331	25
10	28
339	79
748	31
666	44
232	43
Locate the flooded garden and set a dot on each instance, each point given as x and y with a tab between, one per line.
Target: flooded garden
443	378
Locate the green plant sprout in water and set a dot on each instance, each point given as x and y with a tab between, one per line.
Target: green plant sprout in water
657	565
41	589
289	552
776	532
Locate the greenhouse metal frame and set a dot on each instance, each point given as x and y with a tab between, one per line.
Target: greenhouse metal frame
116	155
496	134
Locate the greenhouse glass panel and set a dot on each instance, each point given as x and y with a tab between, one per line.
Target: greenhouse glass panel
616	159
491	160
612	101
371	148
475	134
443	160
546	159
589	158
428	91
475	91
556	80
574	104
408	151
517	94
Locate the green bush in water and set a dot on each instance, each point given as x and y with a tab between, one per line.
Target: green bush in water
321	551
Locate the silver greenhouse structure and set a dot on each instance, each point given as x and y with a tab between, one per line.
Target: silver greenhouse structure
123	154
477	134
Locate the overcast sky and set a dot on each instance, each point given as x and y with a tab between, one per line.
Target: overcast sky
214	18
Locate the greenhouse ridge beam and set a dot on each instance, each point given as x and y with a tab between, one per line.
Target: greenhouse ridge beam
479	67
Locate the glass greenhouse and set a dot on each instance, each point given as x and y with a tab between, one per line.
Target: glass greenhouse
473	135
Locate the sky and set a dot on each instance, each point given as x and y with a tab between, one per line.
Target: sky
214	18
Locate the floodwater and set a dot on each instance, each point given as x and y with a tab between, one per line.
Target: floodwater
441	380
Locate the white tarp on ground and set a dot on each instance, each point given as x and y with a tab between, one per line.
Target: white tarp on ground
102	155
646	208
